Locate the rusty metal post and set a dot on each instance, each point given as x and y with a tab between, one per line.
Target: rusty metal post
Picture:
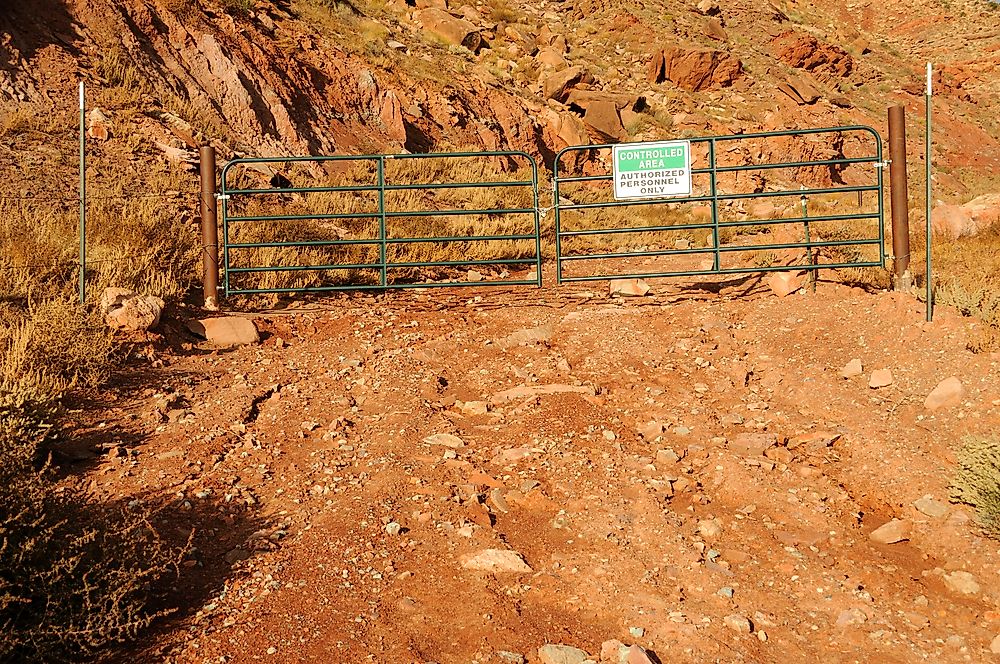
899	198
209	229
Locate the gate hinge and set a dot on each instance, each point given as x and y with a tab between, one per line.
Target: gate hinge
222	197
883	164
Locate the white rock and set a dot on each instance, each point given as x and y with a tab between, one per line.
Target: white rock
961	582
496	560
445	439
995	645
852	369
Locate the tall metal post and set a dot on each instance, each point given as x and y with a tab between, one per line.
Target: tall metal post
209	229
83	197
927	202
809	249
899	198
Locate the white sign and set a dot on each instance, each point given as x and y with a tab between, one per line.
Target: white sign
652	170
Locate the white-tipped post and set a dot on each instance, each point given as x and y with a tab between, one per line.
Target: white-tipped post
927	202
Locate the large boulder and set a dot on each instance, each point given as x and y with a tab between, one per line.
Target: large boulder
799	90
622	101
391	115
453	30
124	310
603	120
567	127
694	69
551	57
557	86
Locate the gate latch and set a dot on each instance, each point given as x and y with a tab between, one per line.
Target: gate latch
222	197
883	164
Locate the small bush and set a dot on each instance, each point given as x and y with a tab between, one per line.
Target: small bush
58	343
75	576
977	481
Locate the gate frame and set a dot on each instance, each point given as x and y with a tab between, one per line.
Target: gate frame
714	197
382	241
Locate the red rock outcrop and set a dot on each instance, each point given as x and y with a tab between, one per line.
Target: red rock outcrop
806	52
694	69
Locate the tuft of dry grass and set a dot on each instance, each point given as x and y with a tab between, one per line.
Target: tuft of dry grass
502	11
977	479
57	343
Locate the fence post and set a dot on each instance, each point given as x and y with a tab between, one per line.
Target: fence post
899	197
209	229
83	196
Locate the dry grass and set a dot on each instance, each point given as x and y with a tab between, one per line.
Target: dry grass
436	224
967	276
502	11
137	237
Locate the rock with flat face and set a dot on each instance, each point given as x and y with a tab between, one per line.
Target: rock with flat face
948	393
892	532
694	69
226	331
453	30
603	119
628	287
784	283
559	654
880	378
558	85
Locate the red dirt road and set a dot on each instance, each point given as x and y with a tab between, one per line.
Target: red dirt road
669	465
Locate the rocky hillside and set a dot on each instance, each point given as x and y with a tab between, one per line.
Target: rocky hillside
275	77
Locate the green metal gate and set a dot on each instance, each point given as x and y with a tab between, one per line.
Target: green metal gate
352	225
600	238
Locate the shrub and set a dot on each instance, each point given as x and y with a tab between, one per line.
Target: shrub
977	481
75	576
58	344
